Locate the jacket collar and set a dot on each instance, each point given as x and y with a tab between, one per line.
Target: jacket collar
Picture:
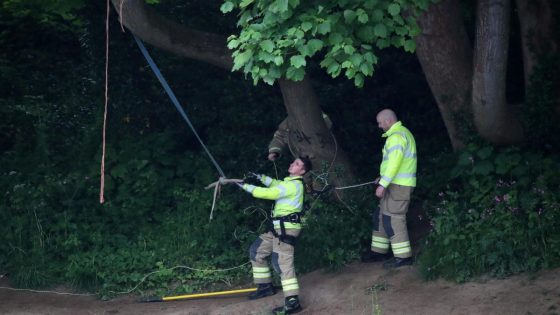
393	128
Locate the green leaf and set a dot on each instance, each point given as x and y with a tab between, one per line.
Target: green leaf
362	16
241	59
327	62
366	69
294	3
335	38
410	45
414	29
297	61
382	43
380	30
370	58
349	16
366	34
233	43
359	80
306	26
244	18
245	3
267	45
265	57
278	60
291	31
356	59
226	7
397	41
347	64
295	74
485	152
370	4
282	5
350	73
334	69
401	30
314	45
324	28
349	50
483	168
377	16
394	9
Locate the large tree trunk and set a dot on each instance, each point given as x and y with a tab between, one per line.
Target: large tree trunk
495	119
301	103
535	21
445	53
309	132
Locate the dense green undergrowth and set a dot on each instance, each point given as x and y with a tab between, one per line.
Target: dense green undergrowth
497	212
154	233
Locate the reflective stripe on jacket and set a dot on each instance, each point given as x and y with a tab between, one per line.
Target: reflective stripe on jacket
288	194
399	157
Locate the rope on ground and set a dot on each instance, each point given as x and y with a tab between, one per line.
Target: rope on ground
135	287
43	291
178	267
46	291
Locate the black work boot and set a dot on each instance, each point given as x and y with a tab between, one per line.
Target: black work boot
370	256
397	262
263	290
291	306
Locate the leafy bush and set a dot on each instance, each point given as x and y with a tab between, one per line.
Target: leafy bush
498	214
155	222
331	237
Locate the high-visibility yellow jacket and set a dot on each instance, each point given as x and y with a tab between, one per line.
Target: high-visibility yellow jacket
288	194
399	157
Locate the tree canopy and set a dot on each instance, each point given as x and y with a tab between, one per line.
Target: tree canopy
278	38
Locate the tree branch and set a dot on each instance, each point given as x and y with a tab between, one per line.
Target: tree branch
158	31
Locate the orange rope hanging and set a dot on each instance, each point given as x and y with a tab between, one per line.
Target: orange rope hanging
101	189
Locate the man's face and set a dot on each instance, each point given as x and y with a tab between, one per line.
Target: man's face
383	123
297	168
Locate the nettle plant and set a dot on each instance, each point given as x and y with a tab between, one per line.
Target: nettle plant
279	37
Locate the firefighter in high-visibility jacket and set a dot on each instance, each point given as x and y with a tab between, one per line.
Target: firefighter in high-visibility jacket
397	179
280	240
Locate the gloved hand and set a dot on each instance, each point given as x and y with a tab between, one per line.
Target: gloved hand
273	156
252	178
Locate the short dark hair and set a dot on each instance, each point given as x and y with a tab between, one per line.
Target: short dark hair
306	163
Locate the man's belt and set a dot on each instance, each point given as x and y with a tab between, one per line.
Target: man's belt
283	237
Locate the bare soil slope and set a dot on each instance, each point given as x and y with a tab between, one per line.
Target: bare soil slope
349	291
401	291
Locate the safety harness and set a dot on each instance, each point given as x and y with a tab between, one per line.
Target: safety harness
283	237
291	218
